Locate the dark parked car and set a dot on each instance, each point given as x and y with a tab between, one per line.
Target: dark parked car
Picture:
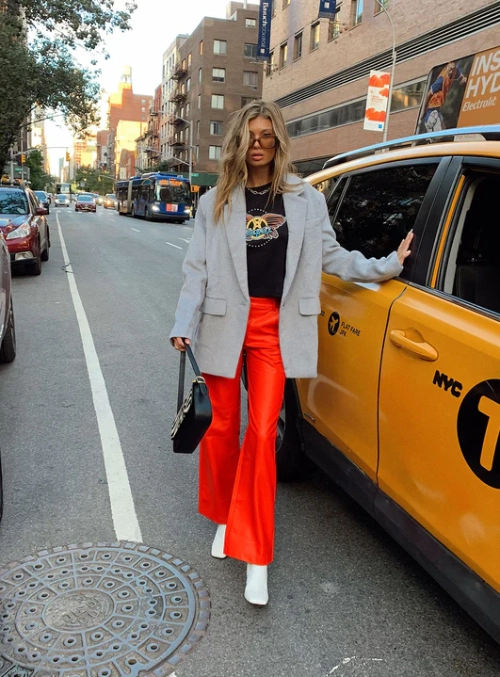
43	199
85	202
7	326
24	226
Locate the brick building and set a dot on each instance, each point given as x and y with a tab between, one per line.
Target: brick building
127	120
207	76
318	72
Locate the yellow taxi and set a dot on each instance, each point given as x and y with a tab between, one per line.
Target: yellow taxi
405	411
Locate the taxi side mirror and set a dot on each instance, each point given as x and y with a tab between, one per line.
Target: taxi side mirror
40	211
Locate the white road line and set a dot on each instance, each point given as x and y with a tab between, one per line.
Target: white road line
173	245
137	231
123	512
184	240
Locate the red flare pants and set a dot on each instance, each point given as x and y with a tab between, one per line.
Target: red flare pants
237	486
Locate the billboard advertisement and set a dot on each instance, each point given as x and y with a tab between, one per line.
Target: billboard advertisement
462	93
376	101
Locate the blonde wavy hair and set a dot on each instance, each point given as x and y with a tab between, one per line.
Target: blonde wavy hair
233	167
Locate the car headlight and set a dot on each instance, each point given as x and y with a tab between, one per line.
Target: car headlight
155	208
21	231
187	210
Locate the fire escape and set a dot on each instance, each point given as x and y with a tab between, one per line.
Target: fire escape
179	125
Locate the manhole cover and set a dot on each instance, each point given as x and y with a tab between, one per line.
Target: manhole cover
102	610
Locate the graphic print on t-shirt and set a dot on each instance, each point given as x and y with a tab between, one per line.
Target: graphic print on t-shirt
262	229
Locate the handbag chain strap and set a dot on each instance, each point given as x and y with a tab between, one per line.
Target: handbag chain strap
182	374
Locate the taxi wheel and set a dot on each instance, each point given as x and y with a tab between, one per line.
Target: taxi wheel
291	461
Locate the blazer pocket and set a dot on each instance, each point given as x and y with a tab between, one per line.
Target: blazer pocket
309	306
212	306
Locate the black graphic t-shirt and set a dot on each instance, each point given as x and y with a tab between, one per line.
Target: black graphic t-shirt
267	239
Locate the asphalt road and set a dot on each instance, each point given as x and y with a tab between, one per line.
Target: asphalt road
345	600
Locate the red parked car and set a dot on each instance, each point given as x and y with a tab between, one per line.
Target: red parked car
24	226
85	202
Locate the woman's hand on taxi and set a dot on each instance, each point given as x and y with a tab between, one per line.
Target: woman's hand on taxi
180	343
404	248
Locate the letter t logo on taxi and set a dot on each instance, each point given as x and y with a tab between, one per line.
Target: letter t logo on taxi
491	409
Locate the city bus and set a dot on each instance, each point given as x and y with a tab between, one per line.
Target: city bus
159	196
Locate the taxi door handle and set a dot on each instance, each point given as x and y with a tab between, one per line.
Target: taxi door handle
412	340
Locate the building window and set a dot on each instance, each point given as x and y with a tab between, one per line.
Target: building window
143	101
188	109
315	36
188	84
250	50
271	65
356	12
283	54
333	29
199	100
403	97
197	129
200	74
189	60
252	23
217	101
201	46
183	64
297	46
220	47
380	5
218	74
214	152
215	127
251	79
247	99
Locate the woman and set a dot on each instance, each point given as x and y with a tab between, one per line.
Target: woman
252	277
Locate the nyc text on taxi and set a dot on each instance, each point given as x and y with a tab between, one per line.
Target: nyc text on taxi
405	411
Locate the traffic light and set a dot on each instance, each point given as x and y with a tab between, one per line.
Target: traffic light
23	158
68	156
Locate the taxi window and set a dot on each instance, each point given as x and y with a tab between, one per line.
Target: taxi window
378	208
473	265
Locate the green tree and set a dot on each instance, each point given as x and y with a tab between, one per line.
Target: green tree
37	62
94	180
38	178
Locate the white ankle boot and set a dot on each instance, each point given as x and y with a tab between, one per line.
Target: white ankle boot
256	587
218	543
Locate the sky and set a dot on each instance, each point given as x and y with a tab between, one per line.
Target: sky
155	25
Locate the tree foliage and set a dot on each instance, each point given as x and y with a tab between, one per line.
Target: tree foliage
94	180
38	67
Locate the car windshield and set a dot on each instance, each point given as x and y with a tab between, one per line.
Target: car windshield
40	194
111	197
85	198
176	191
13	202
61	197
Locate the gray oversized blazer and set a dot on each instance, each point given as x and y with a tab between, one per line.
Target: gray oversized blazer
214	302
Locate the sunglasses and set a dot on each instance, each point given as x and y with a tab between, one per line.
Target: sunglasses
265	141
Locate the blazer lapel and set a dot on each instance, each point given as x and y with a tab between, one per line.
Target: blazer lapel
296	211
234	223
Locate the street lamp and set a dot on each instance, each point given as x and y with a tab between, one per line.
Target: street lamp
383	6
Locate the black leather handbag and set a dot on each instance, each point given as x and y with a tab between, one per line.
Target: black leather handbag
194	414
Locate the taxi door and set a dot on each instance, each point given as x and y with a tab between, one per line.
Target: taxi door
440	387
371	211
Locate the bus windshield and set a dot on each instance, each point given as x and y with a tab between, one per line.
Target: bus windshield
170	190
